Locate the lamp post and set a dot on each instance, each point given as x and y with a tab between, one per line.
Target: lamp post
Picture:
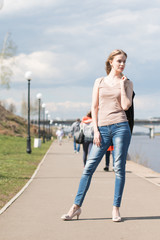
46	123
28	77
39	96
43	107
49	126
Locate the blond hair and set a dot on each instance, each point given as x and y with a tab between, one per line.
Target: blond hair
111	57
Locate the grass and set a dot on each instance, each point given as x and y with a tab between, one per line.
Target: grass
16	166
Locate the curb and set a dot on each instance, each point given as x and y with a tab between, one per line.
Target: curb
7	205
144	172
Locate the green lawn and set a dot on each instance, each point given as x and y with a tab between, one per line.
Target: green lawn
17	166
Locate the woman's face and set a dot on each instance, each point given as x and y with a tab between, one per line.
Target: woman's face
118	63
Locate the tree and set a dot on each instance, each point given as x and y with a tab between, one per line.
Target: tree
24	108
33	107
12	108
7	60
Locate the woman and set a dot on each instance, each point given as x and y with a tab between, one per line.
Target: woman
87	126
112	96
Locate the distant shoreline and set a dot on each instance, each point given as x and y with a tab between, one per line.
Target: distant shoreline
144	134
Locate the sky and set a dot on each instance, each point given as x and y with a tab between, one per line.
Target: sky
65	44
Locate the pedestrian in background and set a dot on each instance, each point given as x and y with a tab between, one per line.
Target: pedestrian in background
87	126
75	128
112	95
60	134
107	158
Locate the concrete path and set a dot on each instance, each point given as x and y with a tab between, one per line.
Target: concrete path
35	215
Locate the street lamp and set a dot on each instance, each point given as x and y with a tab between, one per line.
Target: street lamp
46	123
39	96
49	126
43	107
28	77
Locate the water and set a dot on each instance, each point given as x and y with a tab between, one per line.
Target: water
146	151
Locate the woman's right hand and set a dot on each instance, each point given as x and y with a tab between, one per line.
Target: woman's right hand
97	138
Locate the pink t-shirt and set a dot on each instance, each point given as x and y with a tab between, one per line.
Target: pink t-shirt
110	110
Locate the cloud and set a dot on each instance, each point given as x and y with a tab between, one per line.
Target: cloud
12	7
1	4
62	110
64	102
68	109
131	29
40	63
65	44
49	67
147	105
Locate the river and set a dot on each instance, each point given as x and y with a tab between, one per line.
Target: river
146	151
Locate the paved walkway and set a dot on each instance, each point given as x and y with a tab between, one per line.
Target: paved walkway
35	215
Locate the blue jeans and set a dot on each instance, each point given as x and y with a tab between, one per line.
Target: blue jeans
76	145
120	135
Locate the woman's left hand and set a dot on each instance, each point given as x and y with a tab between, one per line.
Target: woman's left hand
123	80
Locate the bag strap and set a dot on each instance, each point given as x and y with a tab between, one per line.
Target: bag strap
82	127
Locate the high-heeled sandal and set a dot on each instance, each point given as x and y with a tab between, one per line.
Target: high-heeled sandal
116	218
77	213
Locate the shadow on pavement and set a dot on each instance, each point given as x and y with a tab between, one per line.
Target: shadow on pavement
141	218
